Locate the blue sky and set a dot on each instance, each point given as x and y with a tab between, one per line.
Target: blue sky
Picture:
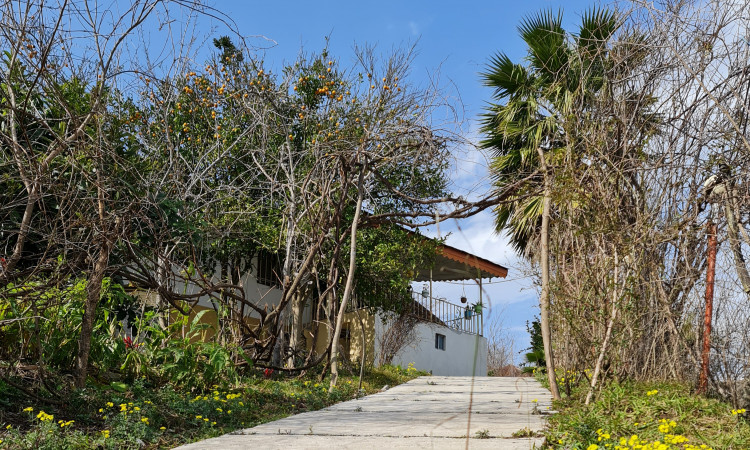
453	40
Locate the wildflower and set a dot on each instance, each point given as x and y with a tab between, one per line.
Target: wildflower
136	409
9	427
592	447
29	409
162	428
145	420
654	392
44	417
198	417
105	433
738	411
110	404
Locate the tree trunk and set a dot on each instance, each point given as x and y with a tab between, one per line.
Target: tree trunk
735	243
93	291
710	272
295	335
364	350
349	281
607	335
544	301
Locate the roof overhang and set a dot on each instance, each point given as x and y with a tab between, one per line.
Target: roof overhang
452	264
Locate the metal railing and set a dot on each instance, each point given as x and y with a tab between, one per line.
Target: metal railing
437	310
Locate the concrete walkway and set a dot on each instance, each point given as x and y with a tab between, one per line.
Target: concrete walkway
427	412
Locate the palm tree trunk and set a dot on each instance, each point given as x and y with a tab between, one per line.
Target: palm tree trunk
544	300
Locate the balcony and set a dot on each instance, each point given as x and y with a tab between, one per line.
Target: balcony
442	312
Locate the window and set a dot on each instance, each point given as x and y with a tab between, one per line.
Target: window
439	341
269	269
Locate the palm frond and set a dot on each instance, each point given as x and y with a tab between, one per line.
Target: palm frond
545	37
598	25
507	78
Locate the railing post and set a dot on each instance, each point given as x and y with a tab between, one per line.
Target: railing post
481	307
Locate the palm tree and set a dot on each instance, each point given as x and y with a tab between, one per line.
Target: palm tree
531	128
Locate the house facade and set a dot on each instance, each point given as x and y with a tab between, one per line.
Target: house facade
433	334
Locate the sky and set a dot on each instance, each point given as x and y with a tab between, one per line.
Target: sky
453	40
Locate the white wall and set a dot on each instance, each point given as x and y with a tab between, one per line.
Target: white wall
464	355
259	294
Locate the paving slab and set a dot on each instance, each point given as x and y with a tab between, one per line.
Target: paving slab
427	412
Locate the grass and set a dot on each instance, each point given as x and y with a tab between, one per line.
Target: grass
141	415
649	416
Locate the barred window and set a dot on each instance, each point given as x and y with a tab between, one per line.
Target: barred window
269	269
439	341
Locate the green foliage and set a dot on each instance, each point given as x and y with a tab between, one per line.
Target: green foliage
229	51
535	357
538	105
649	411
166	416
180	354
49	327
387	260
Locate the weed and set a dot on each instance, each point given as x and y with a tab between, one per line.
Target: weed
482	434
525	432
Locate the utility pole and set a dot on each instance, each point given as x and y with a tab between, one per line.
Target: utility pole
710	273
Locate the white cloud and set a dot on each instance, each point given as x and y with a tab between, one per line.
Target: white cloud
414	27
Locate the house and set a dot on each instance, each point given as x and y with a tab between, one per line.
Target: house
448	339
433	333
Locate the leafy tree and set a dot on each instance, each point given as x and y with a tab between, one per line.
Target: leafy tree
533	128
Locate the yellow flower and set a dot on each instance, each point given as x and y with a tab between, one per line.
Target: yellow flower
145	420
162	428
198	417
44	417
592	447
654	392
110	404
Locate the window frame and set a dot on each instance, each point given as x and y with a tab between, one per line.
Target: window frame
440	339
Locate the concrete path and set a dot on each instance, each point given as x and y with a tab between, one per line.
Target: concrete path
427	412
